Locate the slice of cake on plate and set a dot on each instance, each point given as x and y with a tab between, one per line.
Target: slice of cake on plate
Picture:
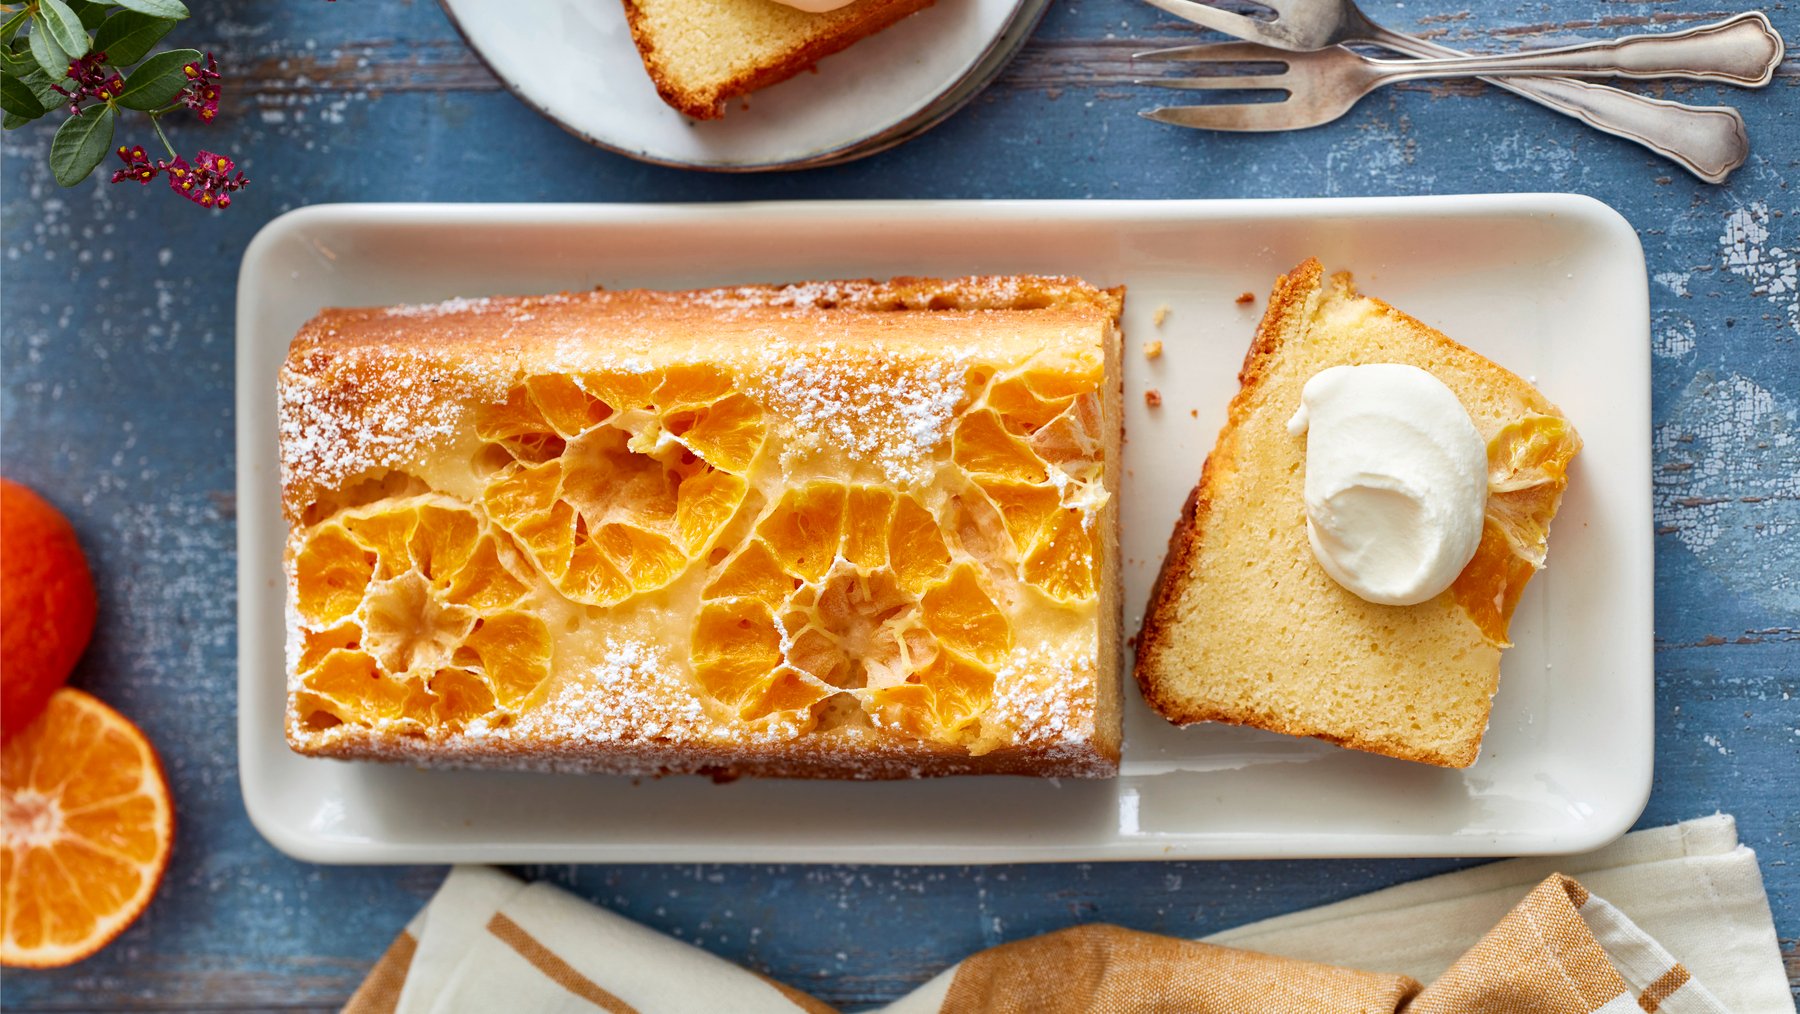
702	53
1348	564
837	529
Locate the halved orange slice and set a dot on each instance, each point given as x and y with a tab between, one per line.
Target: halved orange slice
85	830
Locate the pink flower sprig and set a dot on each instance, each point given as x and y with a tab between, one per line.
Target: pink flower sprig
94	63
210	179
137	165
207	181
202	92
91	81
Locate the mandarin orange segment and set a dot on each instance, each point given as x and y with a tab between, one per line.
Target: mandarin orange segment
694	384
1018	404
462	696
787	692
960	689
565	406
329	575
736	647
434	616
894	601
1027	509
484	583
645	469
915	545
647	558
512	650
623	391
868	511
727	433
1062	563
85	831
805	528
704	504
964	617
1066	373
983	446
753	573
1528	469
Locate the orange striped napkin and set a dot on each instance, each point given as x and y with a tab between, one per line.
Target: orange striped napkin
488	942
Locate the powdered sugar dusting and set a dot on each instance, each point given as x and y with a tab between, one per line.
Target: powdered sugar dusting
633	693
890	416
1036	697
334	427
459	304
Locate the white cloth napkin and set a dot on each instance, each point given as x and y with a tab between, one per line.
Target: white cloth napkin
1689	892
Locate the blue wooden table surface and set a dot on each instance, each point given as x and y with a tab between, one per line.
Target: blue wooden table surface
117	359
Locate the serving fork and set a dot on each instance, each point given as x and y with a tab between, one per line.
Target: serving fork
1708	141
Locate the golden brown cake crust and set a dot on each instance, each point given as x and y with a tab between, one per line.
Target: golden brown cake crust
848	26
1289	299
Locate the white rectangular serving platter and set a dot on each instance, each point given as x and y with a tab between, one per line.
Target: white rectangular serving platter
1550	286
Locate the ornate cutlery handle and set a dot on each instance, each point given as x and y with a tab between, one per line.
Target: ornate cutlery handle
1708	141
1742	50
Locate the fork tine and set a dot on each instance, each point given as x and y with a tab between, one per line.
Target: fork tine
1208	16
1223	82
1245	117
1219	52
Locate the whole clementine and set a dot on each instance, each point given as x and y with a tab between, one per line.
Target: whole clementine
46	604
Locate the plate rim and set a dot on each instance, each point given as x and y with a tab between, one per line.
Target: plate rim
252	489
849	151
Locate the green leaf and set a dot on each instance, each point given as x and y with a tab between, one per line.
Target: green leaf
90	13
16	98
9	121
157	80
65	27
48	54
80	144
156	8
14	23
128	35
15	58
39	83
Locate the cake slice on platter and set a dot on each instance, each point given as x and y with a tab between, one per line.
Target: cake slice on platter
1347	566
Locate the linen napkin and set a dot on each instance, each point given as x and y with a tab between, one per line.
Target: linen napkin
1687	930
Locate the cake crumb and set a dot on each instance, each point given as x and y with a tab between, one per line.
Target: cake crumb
1162	314
1246	297
1194	413
1152	397
1153	350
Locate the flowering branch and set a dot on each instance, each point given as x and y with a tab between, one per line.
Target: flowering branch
75	54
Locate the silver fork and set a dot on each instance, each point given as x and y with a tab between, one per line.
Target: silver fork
1708	141
1323	85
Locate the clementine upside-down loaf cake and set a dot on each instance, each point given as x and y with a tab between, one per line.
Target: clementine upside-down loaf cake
1245	626
844	529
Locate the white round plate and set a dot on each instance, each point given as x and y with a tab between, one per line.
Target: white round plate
574	61
1005	48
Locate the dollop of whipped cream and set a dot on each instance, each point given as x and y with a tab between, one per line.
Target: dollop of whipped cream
816	6
1396	480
